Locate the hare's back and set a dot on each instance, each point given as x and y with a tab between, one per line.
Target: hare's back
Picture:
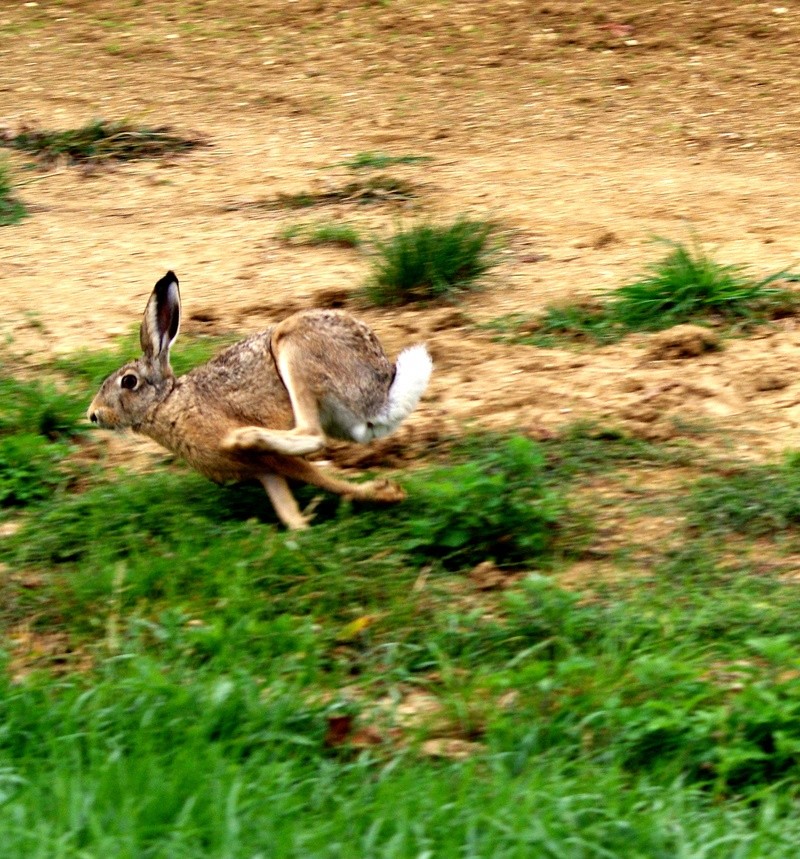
243	382
340	359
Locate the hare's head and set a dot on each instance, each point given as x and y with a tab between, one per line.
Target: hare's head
129	394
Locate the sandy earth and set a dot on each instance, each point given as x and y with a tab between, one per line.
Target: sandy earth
583	129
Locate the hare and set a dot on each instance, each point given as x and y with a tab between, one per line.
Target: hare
256	409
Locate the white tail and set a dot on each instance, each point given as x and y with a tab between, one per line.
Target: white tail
412	373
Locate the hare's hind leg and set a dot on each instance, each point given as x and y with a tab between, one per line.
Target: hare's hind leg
379	491
283	501
307	435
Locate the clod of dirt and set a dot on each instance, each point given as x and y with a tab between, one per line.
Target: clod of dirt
333	298
765	379
682	341
447	317
597	240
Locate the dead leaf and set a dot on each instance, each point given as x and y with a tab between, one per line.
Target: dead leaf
339	729
354	629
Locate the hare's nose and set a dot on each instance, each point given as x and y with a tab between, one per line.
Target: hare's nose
93	417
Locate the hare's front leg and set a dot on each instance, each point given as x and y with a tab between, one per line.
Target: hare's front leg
283	501
307	435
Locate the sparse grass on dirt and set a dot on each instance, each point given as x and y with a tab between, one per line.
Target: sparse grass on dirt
12	210
329	233
101	141
380	160
686	286
376	189
428	261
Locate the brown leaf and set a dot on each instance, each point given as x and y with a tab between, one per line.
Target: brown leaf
339	729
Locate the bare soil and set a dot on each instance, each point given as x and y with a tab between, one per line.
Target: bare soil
583	129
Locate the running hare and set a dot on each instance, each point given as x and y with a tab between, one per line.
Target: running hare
258	407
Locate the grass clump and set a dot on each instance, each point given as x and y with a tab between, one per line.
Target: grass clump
30	469
338	235
688	286
12	210
496	505
428	262
102	141
579	323
380	160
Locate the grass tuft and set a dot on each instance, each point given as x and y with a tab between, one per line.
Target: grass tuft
339	235
428	262
37	422
688	286
102	141
380	161
377	189
12	210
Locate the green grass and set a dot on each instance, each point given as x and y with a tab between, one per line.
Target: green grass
339	235
429	261
688	286
102	140
579	324
685	286
12	210
380	160
180	677
37	424
757	499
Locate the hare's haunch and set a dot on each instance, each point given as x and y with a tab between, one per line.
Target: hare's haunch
259	406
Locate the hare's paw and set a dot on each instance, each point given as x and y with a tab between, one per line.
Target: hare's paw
385	491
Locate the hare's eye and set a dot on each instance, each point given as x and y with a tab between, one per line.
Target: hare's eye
129	381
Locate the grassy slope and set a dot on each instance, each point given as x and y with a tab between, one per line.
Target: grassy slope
183	678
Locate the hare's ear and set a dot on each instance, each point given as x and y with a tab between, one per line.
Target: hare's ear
162	318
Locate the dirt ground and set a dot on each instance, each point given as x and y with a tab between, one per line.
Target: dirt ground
584	129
